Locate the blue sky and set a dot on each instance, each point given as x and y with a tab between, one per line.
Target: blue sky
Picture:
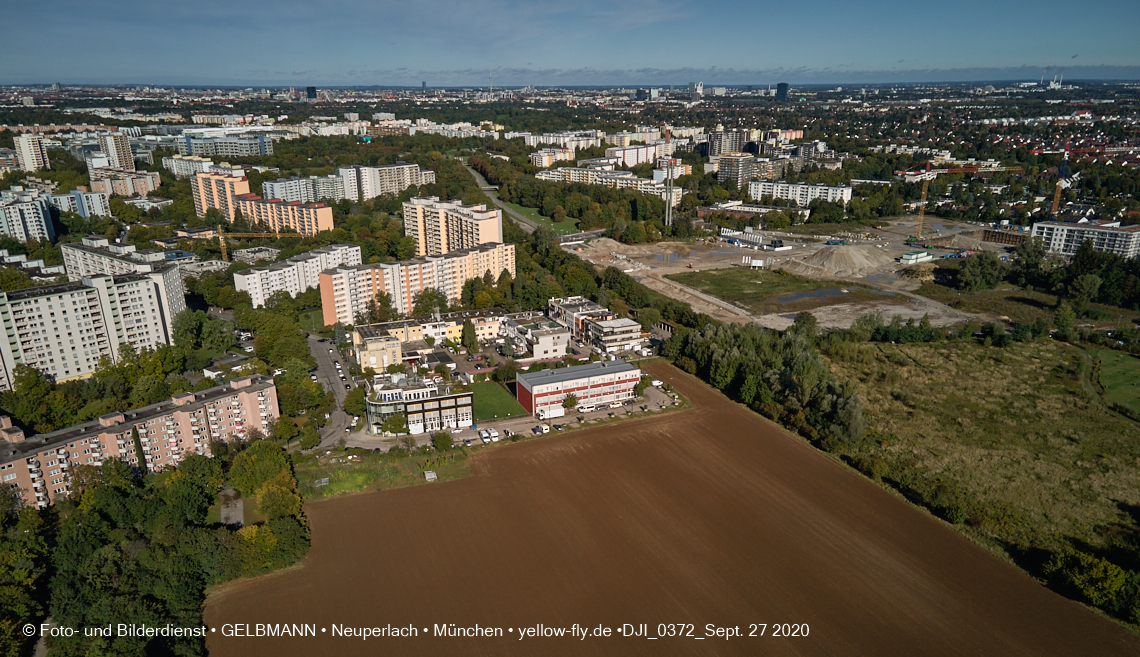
611	42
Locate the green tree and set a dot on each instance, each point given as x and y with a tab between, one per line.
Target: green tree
442	441
980	272
805	324
139	450
188	328
354	401
395	424
571	401
506	371
470	341
1065	321
1083	290
427	301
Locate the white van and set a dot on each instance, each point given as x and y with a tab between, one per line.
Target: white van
494	436
545	428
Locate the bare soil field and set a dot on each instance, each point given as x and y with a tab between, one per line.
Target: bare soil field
711	515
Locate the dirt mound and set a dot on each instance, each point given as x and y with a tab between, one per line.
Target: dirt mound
848	261
963	242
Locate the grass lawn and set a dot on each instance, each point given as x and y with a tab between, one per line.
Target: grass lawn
563	228
311	320
491	400
761	291
1120	374
1014	443
1018	304
367	471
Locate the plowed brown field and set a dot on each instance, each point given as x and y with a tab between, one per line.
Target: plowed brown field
705	516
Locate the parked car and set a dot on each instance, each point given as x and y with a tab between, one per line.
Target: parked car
348	429
466	442
330	350
558	427
484	435
347	386
486	439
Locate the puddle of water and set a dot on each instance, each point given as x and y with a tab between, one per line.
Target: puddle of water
668	257
939	227
811	294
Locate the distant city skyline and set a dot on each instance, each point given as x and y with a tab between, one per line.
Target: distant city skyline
624	42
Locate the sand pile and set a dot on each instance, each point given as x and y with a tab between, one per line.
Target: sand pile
963	242
848	261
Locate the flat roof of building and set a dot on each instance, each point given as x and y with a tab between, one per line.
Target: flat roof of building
620	322
574	372
381	330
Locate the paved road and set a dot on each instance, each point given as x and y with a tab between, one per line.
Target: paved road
524	223
327	376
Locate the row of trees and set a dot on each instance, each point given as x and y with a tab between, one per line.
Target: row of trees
139	549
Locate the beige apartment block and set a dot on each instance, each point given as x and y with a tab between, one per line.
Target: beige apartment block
443	226
215	190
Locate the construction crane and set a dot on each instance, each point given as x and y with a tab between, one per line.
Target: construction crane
222	239
1065	181
931	174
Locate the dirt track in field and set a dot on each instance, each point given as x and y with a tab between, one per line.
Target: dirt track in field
710	515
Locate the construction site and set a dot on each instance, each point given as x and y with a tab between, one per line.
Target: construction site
871	260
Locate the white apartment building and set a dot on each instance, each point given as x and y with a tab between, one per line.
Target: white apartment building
616	179
63	330
187	165
31	153
305	190
573	140
346	291
295	275
362	183
1064	238
95	255
443	226
631	155
802	194
26	215
83	203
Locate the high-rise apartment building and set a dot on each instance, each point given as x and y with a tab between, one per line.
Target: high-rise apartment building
305	190
362	183
782	91
443	226
295	275
26	215
727	141
215	190
311	93
83	203
1066	238
281	216
631	155
187	165
124	182
93	256
39	469
228	146
347	291
735	167
31	153
63	330
117	147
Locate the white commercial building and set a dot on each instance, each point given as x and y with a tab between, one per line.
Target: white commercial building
26	215
63	330
1064	238
362	183
802	194
31	153
295	275
443	226
597	385
614	335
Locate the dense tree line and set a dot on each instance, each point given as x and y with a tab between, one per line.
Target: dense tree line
139	549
